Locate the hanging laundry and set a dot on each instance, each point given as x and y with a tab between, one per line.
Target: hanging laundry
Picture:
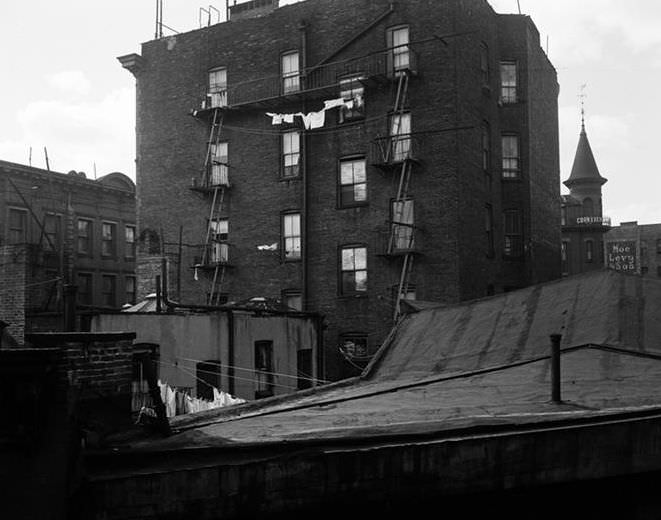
358	100
276	119
314	120
288	118
332	103
349	104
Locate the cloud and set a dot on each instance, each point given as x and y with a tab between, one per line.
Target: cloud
70	81
78	134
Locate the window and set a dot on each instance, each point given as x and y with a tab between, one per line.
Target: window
18	226
84	237
513	246
108	233
353	269
293	299
291	236
50	240
219	164
399	57
588	207
508	79
563	216
291	154
407	293
263	369
108	294
290	72
352	89
353	182
488	225
658	270
589	251
304	368
403	236
129	241
84	288
207	375
658	246
564	257
400	135
219	249
354	345
486	147
484	63
510	156
129	296
218	87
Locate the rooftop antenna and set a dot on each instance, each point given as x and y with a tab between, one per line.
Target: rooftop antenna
518	3
46	155
30	157
94	169
582	97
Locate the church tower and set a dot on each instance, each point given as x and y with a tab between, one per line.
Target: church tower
583	223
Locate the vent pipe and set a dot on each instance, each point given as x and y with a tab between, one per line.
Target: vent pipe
555	368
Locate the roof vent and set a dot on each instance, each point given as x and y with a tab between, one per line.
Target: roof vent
252	9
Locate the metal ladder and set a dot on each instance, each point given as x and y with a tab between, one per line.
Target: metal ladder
402	195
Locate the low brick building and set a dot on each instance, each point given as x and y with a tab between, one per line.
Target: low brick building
63	230
344	156
634	249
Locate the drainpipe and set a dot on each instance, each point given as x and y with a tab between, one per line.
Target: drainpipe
164	278
304	209
555	368
230	351
159	308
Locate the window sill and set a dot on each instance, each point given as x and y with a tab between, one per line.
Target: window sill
511	179
292	260
513	258
353	206
290	178
353	296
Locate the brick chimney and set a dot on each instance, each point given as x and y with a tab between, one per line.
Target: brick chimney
252	9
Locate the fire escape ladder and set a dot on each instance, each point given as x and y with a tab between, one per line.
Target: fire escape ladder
216	285
214	141
398	146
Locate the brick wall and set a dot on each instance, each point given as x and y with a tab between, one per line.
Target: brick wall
13	278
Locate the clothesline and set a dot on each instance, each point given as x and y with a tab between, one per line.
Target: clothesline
314	120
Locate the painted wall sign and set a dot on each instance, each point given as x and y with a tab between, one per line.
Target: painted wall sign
621	256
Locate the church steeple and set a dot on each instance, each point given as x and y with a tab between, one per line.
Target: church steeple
584	170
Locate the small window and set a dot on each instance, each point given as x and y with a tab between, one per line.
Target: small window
108	240
353	269
291	154
304	368
407	293
589	251
207	375
18	226
293	299
658	271
353	91
291	236
353	182
129	241
588	207
644	269
354	345
84	237
486	147
129	296
563	216
85	288
291	78
488	225
399	58
508	82
510	156
513	246
219	233
658	246
218	87
108	291
400	136
403	225
50	240
264	380
219	175
484	63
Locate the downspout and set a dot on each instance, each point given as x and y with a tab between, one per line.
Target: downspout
304	207
230	351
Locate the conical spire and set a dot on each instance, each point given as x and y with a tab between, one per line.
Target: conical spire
585	168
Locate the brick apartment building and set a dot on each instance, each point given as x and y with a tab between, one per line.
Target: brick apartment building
345	155
582	219
63	230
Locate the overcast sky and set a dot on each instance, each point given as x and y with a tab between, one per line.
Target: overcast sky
62	87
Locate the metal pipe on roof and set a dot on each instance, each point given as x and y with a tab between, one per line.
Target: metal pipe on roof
555	368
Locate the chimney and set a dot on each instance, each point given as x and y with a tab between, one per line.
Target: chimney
252	9
555	368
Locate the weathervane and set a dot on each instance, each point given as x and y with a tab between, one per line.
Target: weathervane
582	97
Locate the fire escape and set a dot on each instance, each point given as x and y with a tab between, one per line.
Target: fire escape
396	155
213	183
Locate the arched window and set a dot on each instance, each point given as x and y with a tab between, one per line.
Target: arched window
588	207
